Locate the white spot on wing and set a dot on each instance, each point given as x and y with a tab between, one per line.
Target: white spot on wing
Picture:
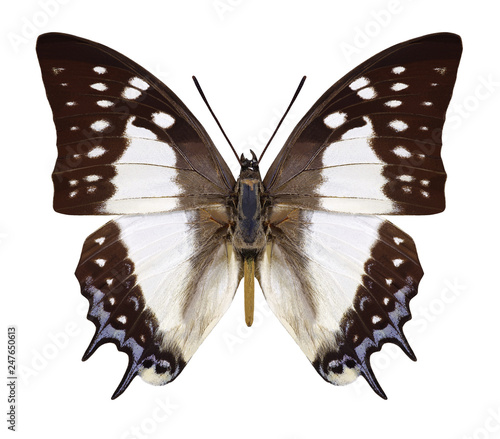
402	152
100	70
334	120
406	178
398	240
376	319
71	103
99	86
122	319
426	103
101	262
398	70
359	83
100	240
91	178
398	125
57	70
95	152
367	93
131	93
397	262
393	103
398	86
425	182
163	120
104	103
139	83
100	125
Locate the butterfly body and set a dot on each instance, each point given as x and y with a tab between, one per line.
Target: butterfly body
249	236
160	276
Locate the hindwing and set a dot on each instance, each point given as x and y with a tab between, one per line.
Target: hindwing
157	285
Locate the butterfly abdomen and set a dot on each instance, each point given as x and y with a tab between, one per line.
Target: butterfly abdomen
249	236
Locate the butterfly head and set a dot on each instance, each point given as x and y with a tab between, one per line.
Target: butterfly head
249	164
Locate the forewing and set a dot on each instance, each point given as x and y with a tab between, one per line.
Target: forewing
157	284
372	142
341	286
126	143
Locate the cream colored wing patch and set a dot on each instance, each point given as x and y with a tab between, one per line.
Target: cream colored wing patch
157	285
340	284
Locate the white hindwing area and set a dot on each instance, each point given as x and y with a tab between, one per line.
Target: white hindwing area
157	285
340	284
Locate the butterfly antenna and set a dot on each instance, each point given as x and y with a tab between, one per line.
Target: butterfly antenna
284	115
198	86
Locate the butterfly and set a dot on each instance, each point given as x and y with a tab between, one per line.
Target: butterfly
337	275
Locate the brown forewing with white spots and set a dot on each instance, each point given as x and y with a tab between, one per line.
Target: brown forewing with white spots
377	129
116	123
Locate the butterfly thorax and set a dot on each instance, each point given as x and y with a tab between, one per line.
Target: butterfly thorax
249	236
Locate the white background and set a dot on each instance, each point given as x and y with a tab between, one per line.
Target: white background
250	56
